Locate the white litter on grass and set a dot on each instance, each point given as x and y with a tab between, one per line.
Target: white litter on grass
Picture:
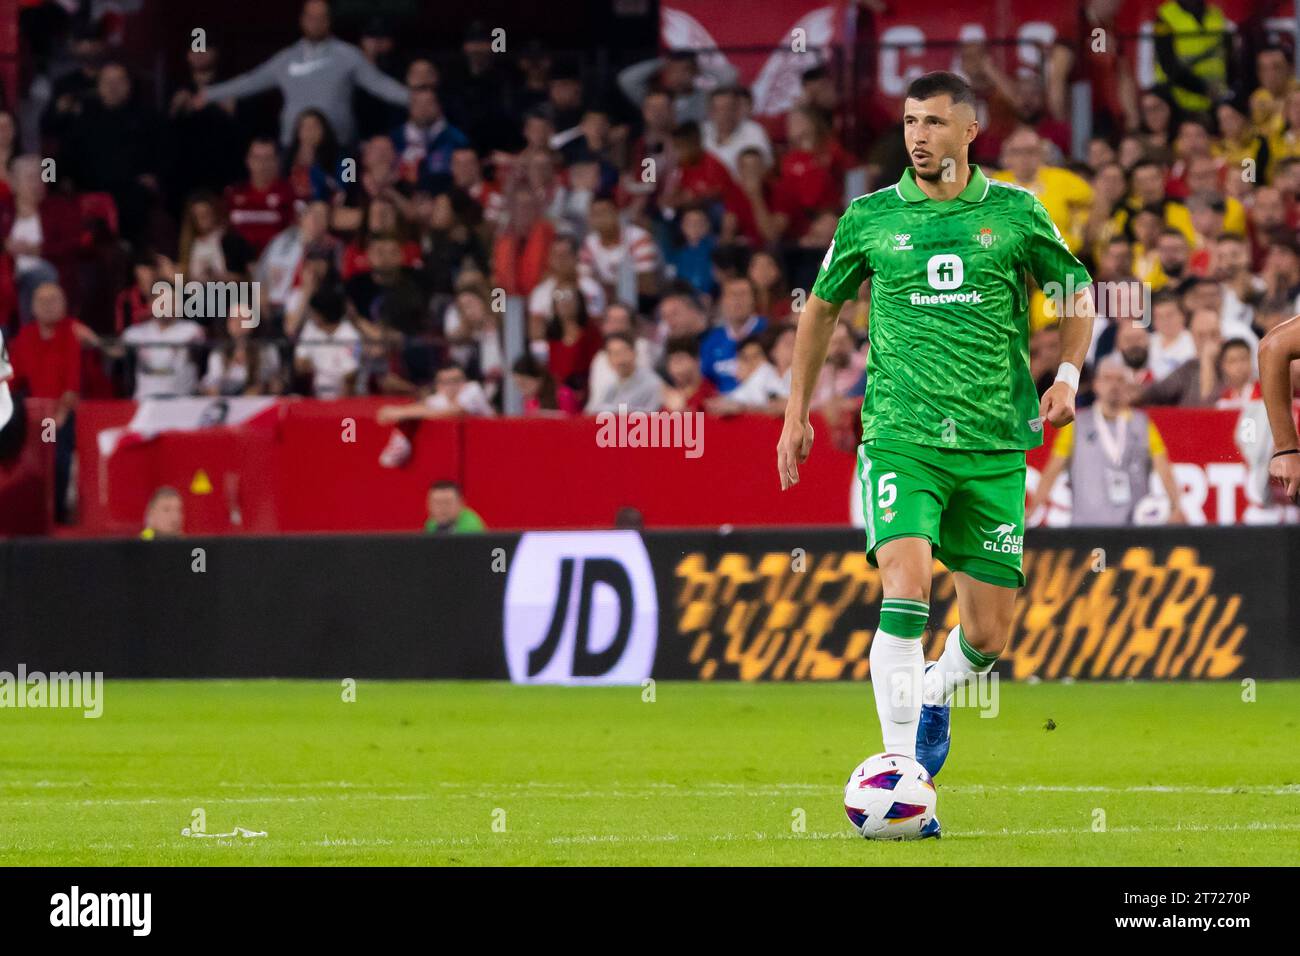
237	832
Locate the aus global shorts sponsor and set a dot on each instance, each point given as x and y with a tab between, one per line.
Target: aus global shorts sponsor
1004	540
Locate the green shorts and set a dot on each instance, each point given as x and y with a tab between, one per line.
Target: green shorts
970	505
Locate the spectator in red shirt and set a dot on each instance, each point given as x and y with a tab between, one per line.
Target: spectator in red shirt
46	358
699	177
689	389
42	232
812	169
572	339
467	175
262	206
135	302
762	218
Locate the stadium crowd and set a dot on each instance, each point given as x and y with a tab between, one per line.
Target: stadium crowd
661	237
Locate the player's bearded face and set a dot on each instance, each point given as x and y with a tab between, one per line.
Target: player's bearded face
937	133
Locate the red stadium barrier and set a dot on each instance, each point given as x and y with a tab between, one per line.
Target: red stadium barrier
317	469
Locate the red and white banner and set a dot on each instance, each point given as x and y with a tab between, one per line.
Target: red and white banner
155	416
771	45
904	40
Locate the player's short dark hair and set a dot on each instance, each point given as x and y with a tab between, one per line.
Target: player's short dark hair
938	83
445	484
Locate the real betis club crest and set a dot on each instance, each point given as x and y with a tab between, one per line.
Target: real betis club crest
985	237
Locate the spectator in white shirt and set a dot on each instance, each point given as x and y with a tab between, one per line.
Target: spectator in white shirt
619	319
1240	285
1207	295
1172	344
612	246
727	133
453	396
162	345
329	347
240	365
277	268
562	269
474	338
761	387
635	387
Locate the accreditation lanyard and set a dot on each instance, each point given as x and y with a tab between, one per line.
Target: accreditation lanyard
1112	443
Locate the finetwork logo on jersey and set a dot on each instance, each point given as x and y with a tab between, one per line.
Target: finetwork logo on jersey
1003	539
581	608
946	271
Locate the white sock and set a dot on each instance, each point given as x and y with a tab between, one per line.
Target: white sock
954	667
897	665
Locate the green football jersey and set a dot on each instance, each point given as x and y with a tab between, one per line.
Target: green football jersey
949	360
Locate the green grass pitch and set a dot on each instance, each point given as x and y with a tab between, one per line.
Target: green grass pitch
722	774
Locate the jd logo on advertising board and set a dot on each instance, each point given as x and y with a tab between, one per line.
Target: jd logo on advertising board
581	608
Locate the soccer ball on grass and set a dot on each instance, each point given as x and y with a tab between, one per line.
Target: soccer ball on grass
889	797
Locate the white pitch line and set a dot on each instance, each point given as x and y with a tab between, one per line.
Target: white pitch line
514	840
570	792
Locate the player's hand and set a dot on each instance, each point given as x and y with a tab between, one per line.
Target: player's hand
1286	469
792	450
1057	405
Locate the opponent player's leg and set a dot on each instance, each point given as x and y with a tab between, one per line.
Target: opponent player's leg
897	659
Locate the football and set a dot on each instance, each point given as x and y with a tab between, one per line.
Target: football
889	797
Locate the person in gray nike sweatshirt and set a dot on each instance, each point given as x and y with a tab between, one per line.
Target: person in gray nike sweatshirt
318	71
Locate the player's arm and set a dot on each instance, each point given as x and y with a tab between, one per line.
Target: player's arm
842	273
1057	403
1064	280
812	339
1278	349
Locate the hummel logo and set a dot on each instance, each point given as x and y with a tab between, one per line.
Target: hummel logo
902	240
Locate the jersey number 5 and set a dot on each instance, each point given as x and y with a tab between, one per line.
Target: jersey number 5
886	493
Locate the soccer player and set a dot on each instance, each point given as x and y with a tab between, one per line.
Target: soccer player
950	406
1277	351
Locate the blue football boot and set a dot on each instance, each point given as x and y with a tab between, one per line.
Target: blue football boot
933	735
